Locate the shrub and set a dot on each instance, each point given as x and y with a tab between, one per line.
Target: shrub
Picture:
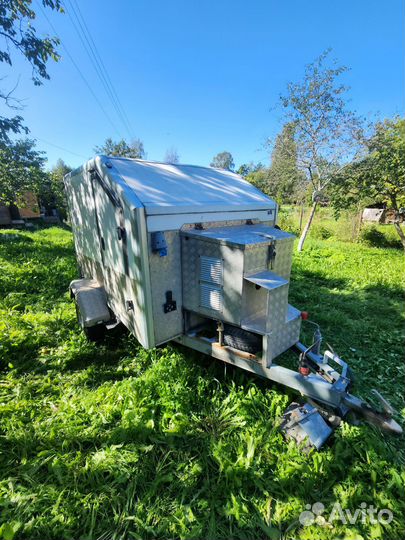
286	222
371	236
320	232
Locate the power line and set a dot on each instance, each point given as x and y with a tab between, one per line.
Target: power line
80	72
61	148
90	47
107	75
98	64
83	38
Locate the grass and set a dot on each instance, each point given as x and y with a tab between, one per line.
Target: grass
348	228
115	442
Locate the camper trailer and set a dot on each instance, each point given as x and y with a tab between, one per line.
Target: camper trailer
193	255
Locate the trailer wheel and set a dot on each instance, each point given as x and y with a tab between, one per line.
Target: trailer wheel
242	340
93	333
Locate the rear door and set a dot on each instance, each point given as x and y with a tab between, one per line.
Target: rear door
110	224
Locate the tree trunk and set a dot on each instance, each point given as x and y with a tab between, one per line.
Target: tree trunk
307	226
301	215
358	225
400	232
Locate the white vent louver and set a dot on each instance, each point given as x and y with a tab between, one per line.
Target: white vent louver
211	280
211	270
210	296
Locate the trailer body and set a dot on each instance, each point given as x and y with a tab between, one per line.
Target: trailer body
207	220
193	255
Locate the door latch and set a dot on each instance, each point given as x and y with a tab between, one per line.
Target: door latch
170	304
271	255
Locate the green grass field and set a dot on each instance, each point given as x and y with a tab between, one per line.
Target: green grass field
113	442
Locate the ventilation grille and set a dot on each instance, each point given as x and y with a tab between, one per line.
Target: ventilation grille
211	279
211	270
211	296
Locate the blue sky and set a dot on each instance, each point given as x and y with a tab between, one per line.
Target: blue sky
203	76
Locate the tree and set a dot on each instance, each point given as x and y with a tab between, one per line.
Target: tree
134	149
326	133
223	160
264	179
286	179
258	175
380	175
261	179
52	190
248	168
172	156
21	170
18	33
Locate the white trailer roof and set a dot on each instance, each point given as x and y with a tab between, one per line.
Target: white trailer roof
167	188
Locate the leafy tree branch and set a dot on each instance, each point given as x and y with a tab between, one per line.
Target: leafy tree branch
17	33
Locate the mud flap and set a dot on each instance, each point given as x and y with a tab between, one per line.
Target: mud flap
91	302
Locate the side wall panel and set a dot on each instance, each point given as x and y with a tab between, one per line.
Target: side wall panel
165	275
83	217
119	267
124	281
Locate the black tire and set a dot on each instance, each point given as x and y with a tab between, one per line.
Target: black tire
242	340
95	333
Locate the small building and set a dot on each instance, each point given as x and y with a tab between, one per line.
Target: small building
5	215
13	215
380	214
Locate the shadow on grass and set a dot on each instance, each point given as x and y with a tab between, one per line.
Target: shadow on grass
151	465
149	461
348	321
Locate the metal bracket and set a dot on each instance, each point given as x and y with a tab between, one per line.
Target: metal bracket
220	330
320	364
158	243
